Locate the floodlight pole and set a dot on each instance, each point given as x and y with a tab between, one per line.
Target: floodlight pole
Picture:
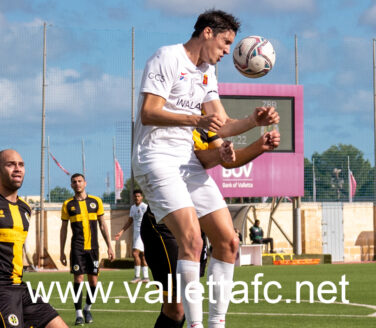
133	111
41	200
297	226
374	136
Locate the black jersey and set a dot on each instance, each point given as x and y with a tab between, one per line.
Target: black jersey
202	138
83	216
14	225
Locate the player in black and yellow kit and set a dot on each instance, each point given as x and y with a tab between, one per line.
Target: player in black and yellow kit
16	307
85	212
161	248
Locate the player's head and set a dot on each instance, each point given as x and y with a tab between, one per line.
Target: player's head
137	196
78	183
257	223
218	30
12	170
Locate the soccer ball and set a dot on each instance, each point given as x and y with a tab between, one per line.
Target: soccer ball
254	56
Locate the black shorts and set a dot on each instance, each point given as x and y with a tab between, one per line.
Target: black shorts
161	251
18	310
84	262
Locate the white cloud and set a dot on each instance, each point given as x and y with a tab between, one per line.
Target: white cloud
369	16
181	7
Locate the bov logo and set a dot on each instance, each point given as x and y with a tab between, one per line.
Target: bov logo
239	172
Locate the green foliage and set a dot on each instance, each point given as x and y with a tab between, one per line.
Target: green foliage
126	192
109	197
60	194
331	171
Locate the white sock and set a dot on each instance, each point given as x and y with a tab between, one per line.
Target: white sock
87	307
190	271
145	272
79	313
221	272
137	270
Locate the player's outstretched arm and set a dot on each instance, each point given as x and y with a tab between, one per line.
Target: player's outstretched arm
153	114
106	236
262	116
268	141
126	226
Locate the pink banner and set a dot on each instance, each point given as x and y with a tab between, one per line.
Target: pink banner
274	174
119	179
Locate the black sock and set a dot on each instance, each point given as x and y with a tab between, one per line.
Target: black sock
88	300
164	321
76	287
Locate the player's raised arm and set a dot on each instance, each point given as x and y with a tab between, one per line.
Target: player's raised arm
152	113
262	116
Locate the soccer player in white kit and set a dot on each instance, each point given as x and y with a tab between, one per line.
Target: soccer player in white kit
178	82
135	217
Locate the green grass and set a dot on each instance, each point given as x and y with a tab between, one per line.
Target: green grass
361	293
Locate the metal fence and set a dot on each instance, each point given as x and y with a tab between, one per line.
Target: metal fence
88	108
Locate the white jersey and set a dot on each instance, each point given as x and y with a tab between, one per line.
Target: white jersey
169	73
136	213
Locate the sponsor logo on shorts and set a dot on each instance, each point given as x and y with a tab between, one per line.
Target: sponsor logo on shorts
96	264
13	320
93	205
76	267
157	77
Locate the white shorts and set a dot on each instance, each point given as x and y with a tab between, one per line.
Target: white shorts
137	242
170	189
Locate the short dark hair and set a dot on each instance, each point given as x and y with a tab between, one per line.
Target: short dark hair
137	191
77	175
218	20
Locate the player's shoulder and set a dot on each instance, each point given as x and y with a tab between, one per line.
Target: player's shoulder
67	201
24	204
168	54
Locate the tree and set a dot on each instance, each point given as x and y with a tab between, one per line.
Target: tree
109	197
125	193
60	194
332	174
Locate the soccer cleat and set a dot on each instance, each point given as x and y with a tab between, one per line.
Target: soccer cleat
88	316
145	280
135	280
79	321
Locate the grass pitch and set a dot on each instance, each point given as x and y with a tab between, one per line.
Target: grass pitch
326	300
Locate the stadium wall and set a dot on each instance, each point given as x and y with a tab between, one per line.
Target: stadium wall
357	230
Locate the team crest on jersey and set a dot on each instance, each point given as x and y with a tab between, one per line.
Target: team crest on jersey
205	80
2	215
93	205
76	267
13	320
183	76
72	208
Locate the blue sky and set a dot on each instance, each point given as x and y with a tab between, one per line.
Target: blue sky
88	71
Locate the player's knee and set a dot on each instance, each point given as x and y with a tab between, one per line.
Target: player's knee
135	253
234	245
193	247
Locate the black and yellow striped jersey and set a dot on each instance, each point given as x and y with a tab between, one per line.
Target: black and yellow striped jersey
83	215
14	225
202	138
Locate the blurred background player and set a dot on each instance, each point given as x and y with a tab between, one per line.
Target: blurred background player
135	217
85	212
16	307
161	248
257	236
178	83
